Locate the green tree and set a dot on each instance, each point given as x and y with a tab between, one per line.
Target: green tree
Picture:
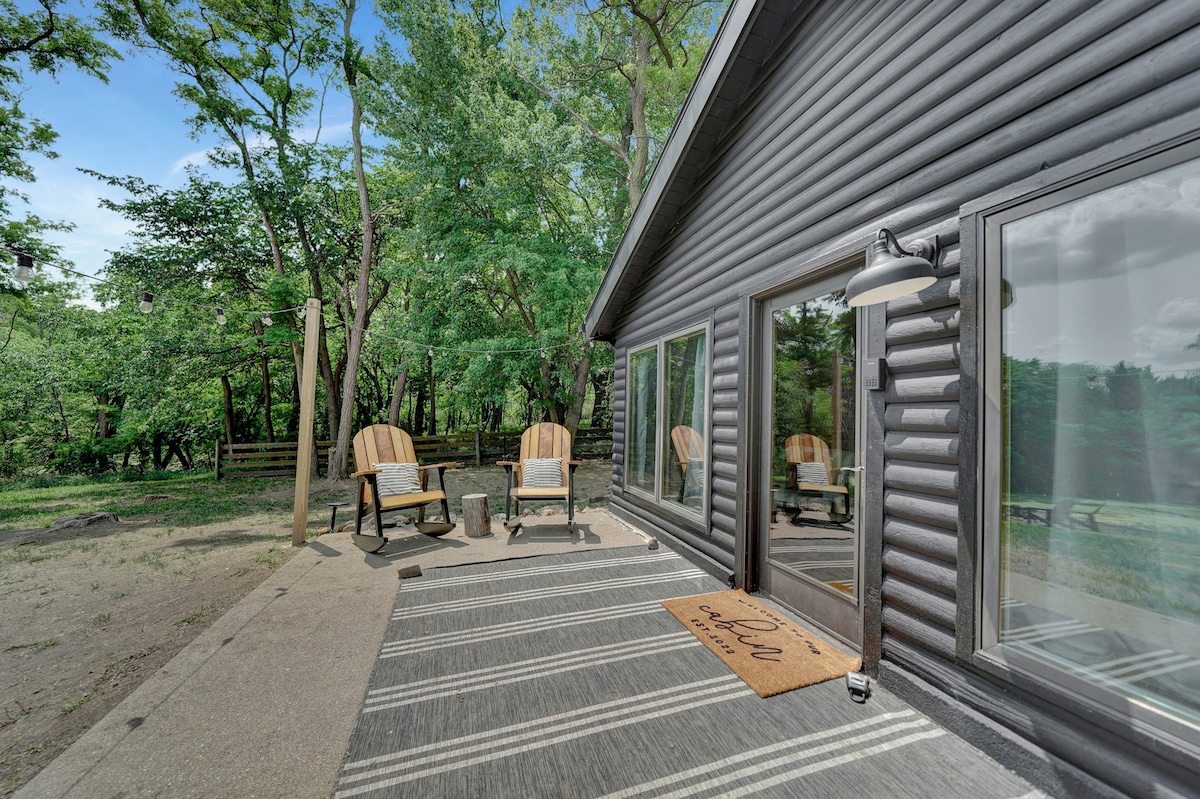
42	40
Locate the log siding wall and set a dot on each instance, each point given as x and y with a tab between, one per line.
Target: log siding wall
852	116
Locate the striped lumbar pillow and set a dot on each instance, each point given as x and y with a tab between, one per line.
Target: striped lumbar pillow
812	473
541	473
397	478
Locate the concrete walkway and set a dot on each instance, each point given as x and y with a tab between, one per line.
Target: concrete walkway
263	703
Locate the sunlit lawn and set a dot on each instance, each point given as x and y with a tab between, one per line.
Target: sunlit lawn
1145	555
182	500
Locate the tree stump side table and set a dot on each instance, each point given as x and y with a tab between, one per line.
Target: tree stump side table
477	519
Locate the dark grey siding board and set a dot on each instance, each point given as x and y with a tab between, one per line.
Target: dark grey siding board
928	606
940	417
921	539
923	356
923	387
931	478
917	328
903	626
923	571
935	511
924	447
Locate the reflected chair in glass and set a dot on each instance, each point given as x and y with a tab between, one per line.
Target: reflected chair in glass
689	450
810	474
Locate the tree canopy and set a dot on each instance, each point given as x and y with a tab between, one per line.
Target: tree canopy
455	237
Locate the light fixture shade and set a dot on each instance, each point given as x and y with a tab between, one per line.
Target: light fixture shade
147	303
24	267
888	275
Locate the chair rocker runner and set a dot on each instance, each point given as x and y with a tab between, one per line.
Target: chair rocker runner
543	471
389	479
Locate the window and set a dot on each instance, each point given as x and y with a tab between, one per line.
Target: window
1092	438
666	453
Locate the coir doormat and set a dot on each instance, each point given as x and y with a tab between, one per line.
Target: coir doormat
770	653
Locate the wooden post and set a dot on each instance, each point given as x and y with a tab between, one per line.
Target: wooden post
304	447
477	519
217	460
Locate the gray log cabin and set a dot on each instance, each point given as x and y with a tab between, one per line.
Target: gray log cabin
990	488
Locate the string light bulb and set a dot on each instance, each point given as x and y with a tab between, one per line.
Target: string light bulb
24	267
301	311
489	355
221	316
431	352
147	303
266	319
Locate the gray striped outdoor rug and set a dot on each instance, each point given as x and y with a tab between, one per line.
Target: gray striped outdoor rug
563	676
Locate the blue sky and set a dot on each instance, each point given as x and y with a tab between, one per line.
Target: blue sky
133	125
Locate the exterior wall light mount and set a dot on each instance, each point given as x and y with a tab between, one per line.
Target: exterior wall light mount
893	271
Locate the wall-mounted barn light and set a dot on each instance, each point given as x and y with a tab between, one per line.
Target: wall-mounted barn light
893	271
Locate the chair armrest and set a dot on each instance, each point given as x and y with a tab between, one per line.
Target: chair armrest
366	473
445	465
573	464
507	464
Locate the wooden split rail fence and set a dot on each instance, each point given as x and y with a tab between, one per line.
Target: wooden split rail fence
479	449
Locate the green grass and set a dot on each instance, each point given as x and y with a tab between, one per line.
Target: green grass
1145	555
191	499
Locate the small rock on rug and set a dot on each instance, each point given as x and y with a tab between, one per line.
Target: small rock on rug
768	652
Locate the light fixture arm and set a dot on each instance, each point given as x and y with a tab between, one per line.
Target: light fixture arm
922	248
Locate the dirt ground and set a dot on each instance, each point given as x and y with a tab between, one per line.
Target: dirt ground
89	613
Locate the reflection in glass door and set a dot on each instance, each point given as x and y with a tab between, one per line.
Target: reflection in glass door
811	548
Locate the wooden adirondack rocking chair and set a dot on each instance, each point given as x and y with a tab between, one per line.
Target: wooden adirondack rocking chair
390	479
809	472
543	472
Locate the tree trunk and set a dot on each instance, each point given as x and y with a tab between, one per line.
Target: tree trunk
432	399
637	104
265	376
337	467
578	394
333	410
601	408
398	394
227	391
419	413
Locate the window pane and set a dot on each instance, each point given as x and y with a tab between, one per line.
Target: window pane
813	529
642	419
684	475
1100	535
